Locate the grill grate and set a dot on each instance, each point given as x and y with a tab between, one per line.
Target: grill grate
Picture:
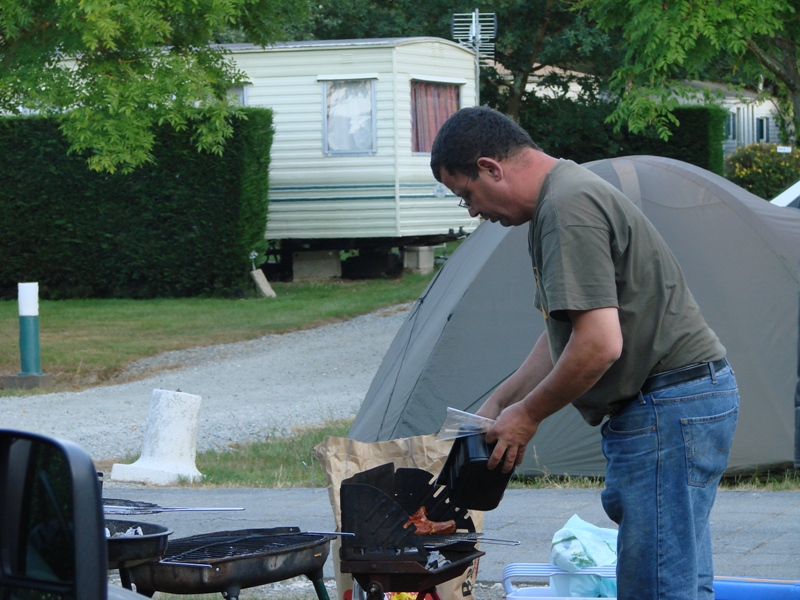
220	546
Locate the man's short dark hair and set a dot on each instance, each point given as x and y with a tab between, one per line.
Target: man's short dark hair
474	132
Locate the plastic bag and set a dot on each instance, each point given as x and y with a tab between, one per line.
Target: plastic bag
577	545
460	424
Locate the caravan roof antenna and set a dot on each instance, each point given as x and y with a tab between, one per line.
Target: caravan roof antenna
475	30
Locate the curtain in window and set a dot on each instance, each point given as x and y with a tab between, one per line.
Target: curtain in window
431	104
350	126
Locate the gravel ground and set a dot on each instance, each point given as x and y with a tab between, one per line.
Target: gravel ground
248	389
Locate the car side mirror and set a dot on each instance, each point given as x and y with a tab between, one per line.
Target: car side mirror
52	536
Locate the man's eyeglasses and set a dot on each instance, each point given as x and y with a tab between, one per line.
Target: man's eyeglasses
463	201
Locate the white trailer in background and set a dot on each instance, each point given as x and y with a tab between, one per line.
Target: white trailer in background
354	121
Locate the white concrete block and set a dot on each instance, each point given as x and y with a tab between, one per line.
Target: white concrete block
263	285
170	443
418	259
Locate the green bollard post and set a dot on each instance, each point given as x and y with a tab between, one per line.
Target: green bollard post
31	375
29	352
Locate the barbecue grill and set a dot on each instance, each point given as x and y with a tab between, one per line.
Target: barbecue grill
228	561
125	551
383	555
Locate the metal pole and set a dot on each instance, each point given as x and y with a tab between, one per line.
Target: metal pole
476	44
28	297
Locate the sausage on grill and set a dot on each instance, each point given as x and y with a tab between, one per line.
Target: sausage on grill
427	527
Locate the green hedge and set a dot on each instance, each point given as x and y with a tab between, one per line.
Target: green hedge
762	170
697	140
184	226
578	131
567	129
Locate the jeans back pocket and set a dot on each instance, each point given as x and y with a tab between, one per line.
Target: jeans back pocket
708	442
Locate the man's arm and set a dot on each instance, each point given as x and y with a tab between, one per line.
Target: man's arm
594	345
530	373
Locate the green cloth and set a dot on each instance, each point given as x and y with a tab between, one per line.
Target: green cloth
592	248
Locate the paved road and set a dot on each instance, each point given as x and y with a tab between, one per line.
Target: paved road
755	534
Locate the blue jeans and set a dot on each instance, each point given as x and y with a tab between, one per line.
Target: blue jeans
666	452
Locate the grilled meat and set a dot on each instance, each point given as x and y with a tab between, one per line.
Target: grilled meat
427	527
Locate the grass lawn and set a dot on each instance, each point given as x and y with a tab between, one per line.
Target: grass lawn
89	342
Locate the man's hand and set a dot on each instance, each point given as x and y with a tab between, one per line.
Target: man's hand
512	432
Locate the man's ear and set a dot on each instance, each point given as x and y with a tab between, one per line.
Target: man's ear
491	167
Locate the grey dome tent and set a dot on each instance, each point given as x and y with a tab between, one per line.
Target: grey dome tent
475	323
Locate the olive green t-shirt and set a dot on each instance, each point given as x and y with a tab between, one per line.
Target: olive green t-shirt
591	248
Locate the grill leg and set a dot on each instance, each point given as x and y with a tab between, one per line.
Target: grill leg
315	577
374	591
125	578
319	587
232	593
431	592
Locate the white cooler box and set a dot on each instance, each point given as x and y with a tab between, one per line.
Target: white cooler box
533	570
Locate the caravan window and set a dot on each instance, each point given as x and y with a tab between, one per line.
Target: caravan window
239	94
762	129
349	115
431	104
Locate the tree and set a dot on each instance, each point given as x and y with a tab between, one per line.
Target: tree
532	36
536	36
360	19
111	71
683	39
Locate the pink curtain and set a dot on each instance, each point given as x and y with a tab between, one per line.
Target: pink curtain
431	104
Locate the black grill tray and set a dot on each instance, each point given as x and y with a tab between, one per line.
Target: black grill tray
471	483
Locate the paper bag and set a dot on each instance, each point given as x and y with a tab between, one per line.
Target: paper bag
342	458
